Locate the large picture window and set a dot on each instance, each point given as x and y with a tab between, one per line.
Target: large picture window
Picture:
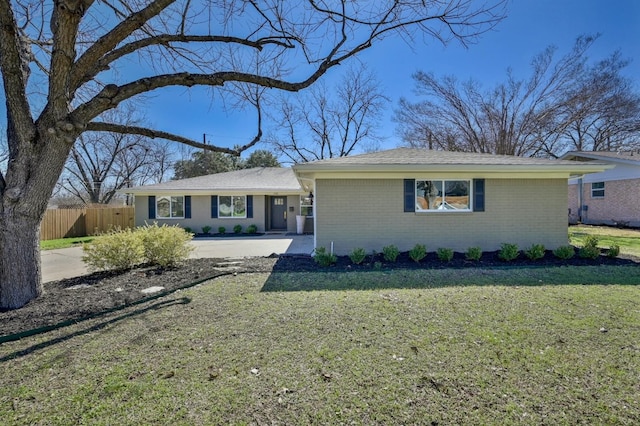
232	206
170	207
443	195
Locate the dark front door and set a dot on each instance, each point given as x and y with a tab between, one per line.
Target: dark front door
278	212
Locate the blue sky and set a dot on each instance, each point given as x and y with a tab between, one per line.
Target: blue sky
531	25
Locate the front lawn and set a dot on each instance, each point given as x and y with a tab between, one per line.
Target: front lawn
227	352
627	239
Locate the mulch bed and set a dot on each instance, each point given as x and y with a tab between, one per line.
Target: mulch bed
70	300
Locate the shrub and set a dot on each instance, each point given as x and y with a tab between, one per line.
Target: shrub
474	253
206	229
164	245
252	229
418	252
614	251
589	252
508	252
564	252
323	258
115	250
357	255
377	266
390	253
187	229
535	252
221	229
237	229
591	241
445	254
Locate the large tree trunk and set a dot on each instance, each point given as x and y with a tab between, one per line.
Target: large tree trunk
20	279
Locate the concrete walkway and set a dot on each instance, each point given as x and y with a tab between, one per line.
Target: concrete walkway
67	263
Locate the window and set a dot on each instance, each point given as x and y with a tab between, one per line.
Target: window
306	205
232	206
442	195
597	190
168	207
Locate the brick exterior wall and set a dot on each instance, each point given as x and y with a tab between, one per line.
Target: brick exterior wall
369	213
620	205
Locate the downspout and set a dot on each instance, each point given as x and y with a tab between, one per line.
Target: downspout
580	199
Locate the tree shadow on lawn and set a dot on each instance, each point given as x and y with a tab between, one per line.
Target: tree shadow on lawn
98	326
301	273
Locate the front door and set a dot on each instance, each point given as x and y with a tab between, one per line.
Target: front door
279	213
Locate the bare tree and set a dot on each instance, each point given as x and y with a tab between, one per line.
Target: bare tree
100	164
553	110
63	65
329	123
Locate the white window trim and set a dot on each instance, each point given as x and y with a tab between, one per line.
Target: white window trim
306	205
440	211
232	204
598	189
171	216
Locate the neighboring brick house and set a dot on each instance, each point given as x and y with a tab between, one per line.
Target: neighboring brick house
610	197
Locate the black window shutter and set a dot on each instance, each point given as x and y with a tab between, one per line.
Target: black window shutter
409	195
187	206
214	206
249	206
478	195
152	206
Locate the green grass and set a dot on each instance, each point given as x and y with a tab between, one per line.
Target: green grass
64	242
627	239
228	352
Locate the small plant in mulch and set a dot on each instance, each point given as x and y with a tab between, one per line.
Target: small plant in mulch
206	229
535	252
614	251
590	249
252	229
564	252
323	258
357	255
444	254
508	252
221	229
237	229
473	253
418	252
390	253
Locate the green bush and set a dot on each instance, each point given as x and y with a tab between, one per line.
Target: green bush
591	241
564	252
474	253
535	252
221	229
323	258
508	252
187	229
237	229
418	252
614	251
358	255
589	252
444	254
115	250
390	253
252	229
165	245
206	229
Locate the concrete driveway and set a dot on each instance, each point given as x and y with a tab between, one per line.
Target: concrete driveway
67	263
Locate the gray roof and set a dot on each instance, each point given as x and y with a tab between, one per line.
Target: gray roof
627	157
424	159
259	180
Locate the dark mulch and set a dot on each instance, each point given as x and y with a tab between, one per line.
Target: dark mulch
69	300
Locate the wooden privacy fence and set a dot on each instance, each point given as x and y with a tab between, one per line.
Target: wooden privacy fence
69	223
